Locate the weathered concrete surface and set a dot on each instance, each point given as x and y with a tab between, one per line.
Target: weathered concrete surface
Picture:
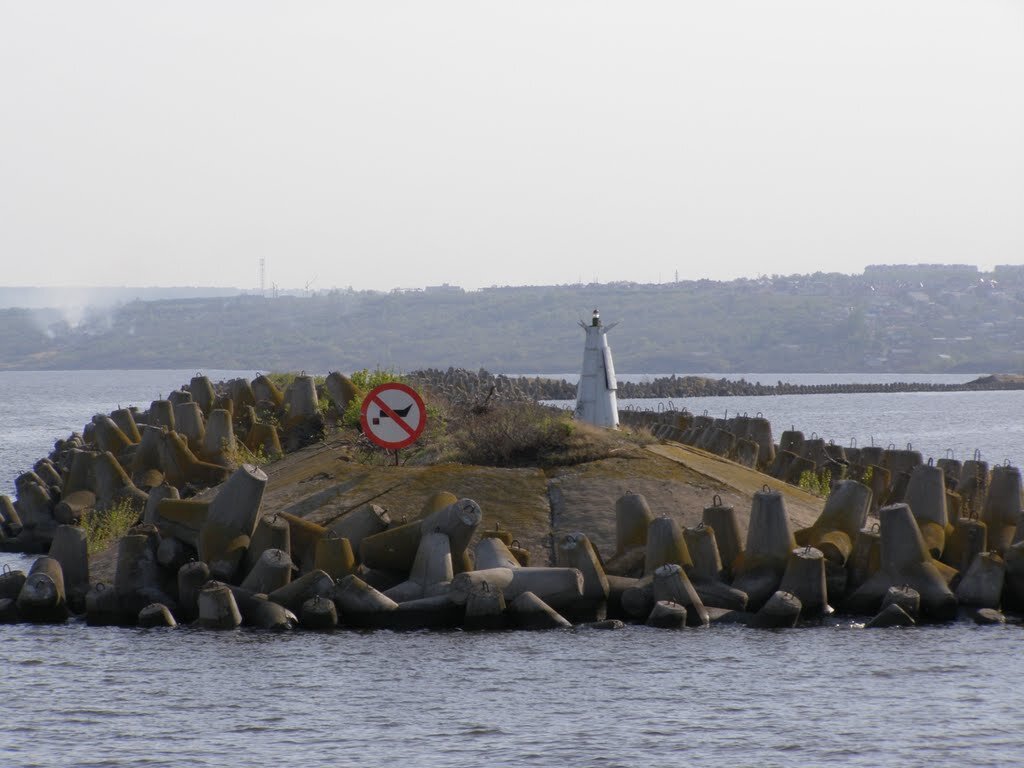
324	481
677	482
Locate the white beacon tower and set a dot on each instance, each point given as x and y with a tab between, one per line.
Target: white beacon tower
595	395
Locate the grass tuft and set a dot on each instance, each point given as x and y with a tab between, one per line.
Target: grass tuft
103	526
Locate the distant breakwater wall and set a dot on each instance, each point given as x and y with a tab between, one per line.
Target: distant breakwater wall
460	384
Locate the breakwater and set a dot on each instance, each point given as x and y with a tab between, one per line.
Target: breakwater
463	385
217	561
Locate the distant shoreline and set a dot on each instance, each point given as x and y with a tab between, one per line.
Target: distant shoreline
474	384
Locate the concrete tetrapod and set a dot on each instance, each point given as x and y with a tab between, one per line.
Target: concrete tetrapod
705	575
179	396
1002	507
233	515
906	598
866	558
188	418
48	473
334	556
222	548
987	616
124	418
665	544
628	564
667	615
431	568
272	571
9	516
318	613
147	454
11	583
182	518
760	432
191	578
791	440
459	520
217	607
272	532
257	611
155	615
926	496
633	516
1014	559
899	461
492	553
973	483
485	609
263	389
181	466
240	394
42	598
173	553
395	549
904	560
722	520
35	508
969	539
781	611
845	513
805	578
341	390
138	578
301	400
435	612
295	593
881	482
361	605
769	542
109	436
780	467
576	551
671	584
891	615
102	606
203	393
161	414
560	588
982	585
113	485
69	510
367	520
71	550
219	438
263	438
530	612
464	584
156	495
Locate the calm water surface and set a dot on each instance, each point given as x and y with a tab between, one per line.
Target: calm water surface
636	697
79	696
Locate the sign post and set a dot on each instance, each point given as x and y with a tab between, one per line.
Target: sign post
393	416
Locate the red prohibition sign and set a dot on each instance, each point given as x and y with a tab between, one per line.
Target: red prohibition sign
393	415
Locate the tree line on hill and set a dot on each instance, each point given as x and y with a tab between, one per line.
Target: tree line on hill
902	319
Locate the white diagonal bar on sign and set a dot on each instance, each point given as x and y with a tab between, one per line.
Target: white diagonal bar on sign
393	416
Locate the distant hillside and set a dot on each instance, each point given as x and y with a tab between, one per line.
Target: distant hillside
81	297
907	318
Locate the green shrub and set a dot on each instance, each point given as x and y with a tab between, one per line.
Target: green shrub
526	434
103	526
365	380
242	455
820	484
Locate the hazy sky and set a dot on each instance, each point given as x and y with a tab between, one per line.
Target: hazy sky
384	144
